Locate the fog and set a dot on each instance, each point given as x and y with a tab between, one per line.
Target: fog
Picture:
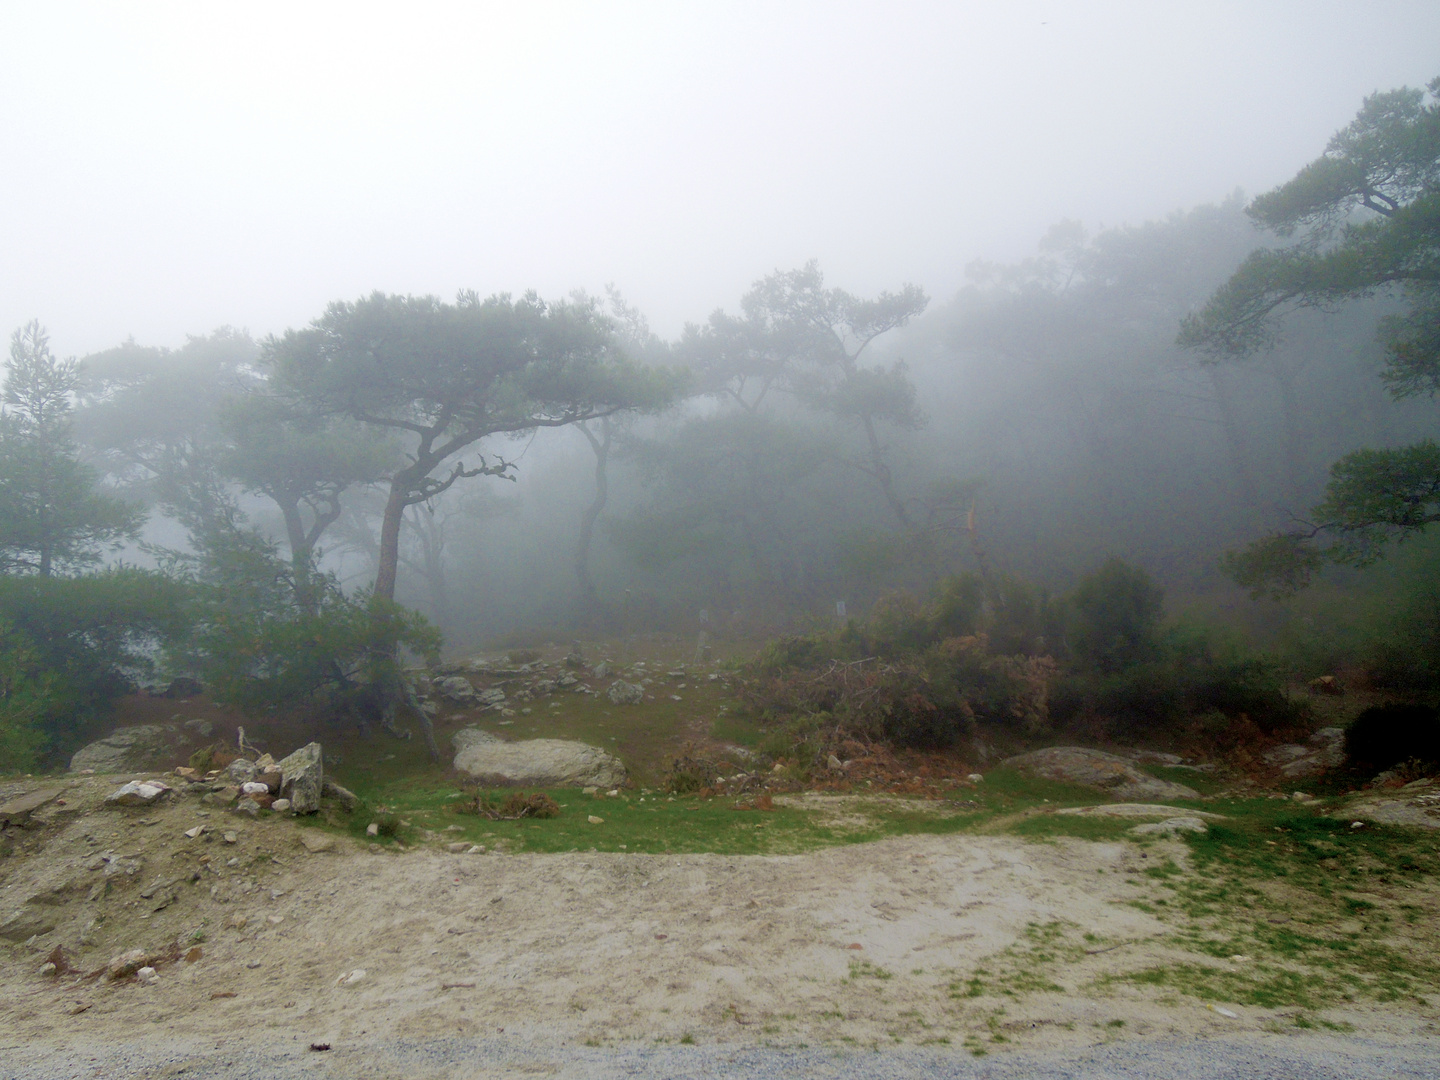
172	168
1065	182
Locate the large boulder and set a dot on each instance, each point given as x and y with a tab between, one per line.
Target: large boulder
625	693
302	778
457	688
1095	768
535	762
131	749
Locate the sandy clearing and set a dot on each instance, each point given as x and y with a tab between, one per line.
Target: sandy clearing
612	948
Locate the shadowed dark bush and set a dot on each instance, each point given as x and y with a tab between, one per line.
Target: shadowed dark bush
1386	735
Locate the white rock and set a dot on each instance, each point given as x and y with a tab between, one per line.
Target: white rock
196	831
302	778
373	829
138	793
280	805
146	976
535	762
456	688
596	820
350	978
254	787
975	777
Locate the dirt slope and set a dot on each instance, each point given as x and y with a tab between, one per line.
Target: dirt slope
865	944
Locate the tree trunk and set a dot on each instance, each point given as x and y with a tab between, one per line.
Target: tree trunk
389	559
882	474
589	601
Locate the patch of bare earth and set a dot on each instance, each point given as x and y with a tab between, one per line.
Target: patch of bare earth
870	944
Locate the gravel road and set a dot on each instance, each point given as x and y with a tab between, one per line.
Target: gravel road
1288	1057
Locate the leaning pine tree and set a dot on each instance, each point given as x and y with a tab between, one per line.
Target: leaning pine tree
1365	217
443	377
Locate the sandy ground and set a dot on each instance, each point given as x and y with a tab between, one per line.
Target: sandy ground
862	946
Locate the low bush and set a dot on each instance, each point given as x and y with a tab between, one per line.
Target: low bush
1387	735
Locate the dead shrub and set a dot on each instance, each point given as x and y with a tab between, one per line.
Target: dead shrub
509	807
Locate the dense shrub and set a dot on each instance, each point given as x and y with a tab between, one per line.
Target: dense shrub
910	674
1386	735
261	643
1191	674
1116	617
69	647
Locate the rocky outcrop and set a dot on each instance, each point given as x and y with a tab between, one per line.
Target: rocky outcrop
130	749
1324	751
1097	769
302	778
534	762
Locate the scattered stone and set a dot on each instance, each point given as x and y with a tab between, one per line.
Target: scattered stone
138	793
147	976
235	921
475	849
492	697
596	820
275	920
1097	769
975	777
196	831
316	842
1171	826
1224	1012
48	968
835	763
373	829
457	848
303	780
280	805
344	796
602	670
126	964
535	762
184	772
625	693
247	806
17	811
231	837
350	978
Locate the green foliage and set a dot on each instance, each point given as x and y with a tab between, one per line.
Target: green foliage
1117	614
28	697
52	517
71	646
259	646
1387	163
1193	681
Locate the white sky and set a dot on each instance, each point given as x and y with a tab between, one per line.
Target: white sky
171	168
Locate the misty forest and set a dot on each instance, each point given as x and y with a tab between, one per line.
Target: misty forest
785	608
1144	485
